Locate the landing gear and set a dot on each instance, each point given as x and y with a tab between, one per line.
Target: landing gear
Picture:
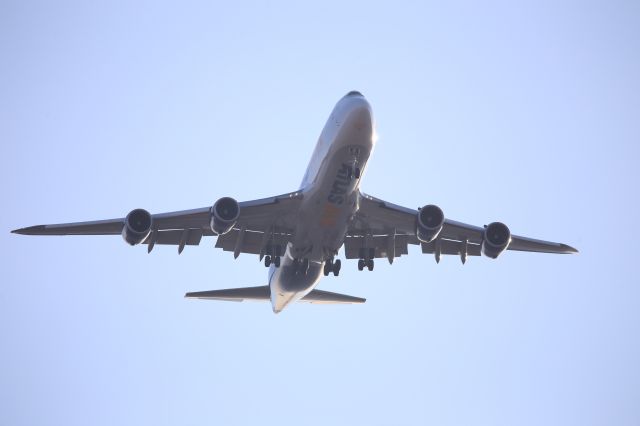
365	263
268	260
336	267
273	257
332	266
328	267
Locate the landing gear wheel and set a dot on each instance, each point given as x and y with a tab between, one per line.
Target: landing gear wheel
276	261
357	173
370	264
360	264
336	267
267	261
327	268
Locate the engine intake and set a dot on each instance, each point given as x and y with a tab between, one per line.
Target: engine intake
430	222
496	239
137	226
224	214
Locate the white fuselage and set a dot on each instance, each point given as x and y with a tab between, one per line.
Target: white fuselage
330	199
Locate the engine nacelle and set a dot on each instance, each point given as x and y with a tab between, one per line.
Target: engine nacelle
224	214
137	226
430	222
496	239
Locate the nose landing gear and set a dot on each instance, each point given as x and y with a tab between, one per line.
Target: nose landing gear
354	172
301	266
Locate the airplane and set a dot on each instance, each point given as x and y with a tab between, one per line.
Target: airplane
298	234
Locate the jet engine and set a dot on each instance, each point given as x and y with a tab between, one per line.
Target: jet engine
430	222
137	226
496	239
224	214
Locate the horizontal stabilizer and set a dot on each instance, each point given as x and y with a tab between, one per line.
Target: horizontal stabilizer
233	294
320	296
263	293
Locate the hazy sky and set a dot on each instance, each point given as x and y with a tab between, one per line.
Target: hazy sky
526	113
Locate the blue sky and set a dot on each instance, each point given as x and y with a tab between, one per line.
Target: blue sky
526	113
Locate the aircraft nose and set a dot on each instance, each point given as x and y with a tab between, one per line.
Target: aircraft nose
354	93
358	115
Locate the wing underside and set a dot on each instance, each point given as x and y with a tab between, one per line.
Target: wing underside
381	229
262	224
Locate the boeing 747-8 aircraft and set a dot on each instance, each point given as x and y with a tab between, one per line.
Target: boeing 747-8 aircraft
299	234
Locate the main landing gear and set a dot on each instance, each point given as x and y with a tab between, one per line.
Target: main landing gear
268	260
332	266
273	257
365	263
366	258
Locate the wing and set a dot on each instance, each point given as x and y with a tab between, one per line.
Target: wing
262	224
383	229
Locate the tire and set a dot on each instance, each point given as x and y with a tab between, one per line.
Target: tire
267	261
336	267
276	261
370	264
360	264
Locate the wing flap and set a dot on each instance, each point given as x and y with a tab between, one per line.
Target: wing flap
355	245
451	247
253	242
174	237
